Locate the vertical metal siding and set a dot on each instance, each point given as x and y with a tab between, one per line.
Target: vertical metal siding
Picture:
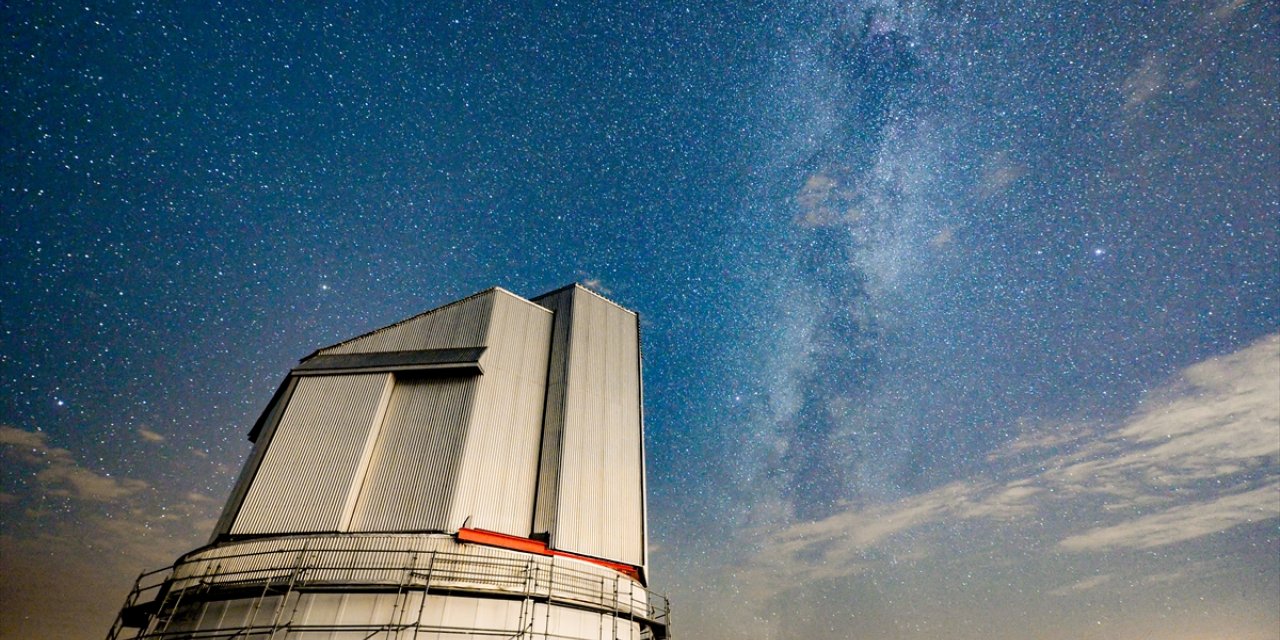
599	508
544	517
498	476
642	454
551	433
270	421
413	471
314	456
339	616
460	324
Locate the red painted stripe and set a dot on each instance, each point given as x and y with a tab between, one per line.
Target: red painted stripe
495	539
527	545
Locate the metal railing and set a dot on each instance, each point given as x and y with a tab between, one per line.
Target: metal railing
282	575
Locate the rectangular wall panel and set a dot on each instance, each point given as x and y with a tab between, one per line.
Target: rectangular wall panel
498	477
561	302
412	473
459	324
315	455
599	503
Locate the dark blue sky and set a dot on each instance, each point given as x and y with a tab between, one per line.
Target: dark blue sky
957	321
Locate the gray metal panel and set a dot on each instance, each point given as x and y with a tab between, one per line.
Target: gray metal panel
498	477
544	517
458	324
314	457
644	461
464	361
412	472
266	424
599	508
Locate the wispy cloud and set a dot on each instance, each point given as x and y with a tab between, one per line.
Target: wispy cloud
999	173
1092	582
596	285
1199	456
1225	10
58	472
150	436
1184	522
824	200
81	538
1145	82
25	440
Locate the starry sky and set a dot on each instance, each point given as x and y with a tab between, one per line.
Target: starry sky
958	321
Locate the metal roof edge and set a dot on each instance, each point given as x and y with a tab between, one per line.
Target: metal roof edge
411	318
519	297
577	285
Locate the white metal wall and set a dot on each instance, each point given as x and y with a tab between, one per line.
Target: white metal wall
379	579
498	474
439	452
414	466
391	616
317	453
599	497
547	440
459	324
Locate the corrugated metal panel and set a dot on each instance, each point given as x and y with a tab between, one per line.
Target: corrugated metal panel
561	302
459	324
268	422
436	561
549	439
413	471
599	507
463	361
498	476
314	457
357	616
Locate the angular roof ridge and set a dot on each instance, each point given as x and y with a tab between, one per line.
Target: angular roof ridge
588	290
517	296
409	319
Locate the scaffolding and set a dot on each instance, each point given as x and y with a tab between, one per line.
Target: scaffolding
258	593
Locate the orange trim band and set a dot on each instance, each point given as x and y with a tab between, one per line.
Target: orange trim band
527	545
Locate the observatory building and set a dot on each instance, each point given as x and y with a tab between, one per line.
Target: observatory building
475	471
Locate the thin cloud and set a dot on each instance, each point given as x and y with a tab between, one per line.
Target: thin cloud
1220	420
87	559
59	473
196	497
596	285
1144	83
824	201
1141	483
150	436
77	482
999	173
12	437
83	537
1087	584
1183	523
1224	11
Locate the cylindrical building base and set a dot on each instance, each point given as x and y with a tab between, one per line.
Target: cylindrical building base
395	586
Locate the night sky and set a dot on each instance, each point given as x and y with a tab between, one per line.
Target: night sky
958	322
